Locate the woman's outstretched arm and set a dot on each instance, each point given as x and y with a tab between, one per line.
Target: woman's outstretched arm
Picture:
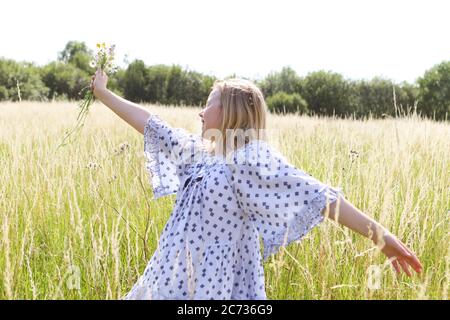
132	113
348	215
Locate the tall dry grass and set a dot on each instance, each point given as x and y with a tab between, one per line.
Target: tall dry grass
78	223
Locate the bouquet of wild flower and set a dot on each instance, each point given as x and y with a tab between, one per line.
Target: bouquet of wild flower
103	60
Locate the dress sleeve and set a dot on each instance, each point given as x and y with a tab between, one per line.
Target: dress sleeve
283	202
169	154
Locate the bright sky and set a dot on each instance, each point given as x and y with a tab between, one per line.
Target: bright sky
395	39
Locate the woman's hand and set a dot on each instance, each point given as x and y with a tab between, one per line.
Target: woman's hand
401	257
99	82
353	218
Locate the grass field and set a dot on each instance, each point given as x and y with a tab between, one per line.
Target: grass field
79	222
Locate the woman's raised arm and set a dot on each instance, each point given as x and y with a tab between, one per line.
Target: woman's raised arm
132	113
348	215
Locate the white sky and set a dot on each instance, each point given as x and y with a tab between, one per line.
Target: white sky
394	39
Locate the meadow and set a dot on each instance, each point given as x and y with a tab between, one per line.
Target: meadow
79	222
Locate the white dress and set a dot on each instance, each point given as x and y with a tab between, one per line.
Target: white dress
209	248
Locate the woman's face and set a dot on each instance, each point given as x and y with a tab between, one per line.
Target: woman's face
211	115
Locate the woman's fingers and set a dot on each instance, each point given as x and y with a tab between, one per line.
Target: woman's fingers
404	257
415	263
396	266
405	267
412	260
92	81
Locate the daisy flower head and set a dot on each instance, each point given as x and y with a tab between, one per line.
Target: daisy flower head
104	58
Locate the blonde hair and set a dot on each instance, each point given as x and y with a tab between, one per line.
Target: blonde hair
243	107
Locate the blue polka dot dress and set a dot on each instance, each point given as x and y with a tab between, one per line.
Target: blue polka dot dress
210	248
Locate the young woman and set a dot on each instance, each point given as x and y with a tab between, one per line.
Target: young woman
230	189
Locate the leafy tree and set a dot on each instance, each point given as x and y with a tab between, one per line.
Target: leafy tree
175	84
434	91
155	87
286	80
206	87
327	93
64	80
377	97
20	81
282	102
134	81
78	54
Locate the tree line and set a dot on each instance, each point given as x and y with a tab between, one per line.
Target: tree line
318	93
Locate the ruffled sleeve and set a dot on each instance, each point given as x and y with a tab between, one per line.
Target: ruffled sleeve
283	202
169	154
